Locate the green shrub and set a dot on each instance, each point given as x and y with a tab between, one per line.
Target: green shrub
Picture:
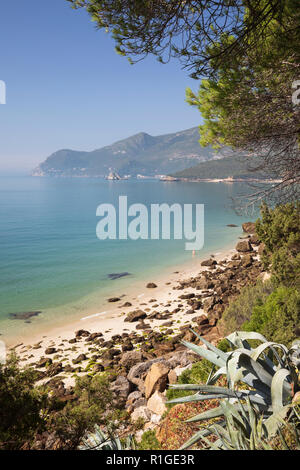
239	310
21	405
93	399
278	229
279	317
198	373
149	441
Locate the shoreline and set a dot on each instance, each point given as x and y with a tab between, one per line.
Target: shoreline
136	293
165	296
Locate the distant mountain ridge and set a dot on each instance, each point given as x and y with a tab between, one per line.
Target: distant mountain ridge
235	166
139	154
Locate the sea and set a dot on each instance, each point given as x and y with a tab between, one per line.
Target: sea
52	261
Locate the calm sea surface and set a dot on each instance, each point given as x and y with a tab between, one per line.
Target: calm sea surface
52	261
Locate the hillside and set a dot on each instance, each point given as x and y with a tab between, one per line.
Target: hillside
236	167
139	154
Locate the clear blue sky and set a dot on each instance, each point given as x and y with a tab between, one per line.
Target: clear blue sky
67	88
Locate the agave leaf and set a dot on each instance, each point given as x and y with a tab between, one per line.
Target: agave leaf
273	423
209	414
198	397
262	347
213	379
263	379
205	353
237	338
211	347
280	389
196	438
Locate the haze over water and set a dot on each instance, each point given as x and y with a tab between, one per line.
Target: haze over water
52	261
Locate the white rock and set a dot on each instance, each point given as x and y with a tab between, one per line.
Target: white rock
157	403
141	412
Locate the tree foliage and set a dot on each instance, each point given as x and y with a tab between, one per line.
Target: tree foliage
189	30
278	229
279	317
21	405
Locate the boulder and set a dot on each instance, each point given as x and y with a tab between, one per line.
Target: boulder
50	351
54	369
121	387
135	315
156	379
141	412
113	299
247	261
244	246
157	403
249	227
79	359
131	358
81	333
209	262
151	285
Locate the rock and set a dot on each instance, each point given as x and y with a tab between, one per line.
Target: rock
127	304
249	227
187	296
98	368
50	351
151	285
115	276
247	260
121	387
244	246
94	336
54	369
201	320
24	315
43	362
254	239
157	403
156	379
209	262
172	377
136	315
204	284
261	249
133	397
231	225
141	412
131	358
127	346
81	333
79	359
113	299
209	303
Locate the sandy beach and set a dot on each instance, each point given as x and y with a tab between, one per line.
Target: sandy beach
111	321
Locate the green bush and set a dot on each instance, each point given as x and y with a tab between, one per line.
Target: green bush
92	400
279	317
278	229
149	441
21	405
198	373
239	310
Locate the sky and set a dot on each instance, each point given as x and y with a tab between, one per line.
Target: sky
66	87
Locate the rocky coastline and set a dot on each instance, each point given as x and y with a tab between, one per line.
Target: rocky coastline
147	354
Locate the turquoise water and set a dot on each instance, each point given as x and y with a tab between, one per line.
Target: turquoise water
52	261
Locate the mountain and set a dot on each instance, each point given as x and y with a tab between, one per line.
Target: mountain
233	166
140	154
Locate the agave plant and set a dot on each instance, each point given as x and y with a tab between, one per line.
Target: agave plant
245	429
269	375
98	440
